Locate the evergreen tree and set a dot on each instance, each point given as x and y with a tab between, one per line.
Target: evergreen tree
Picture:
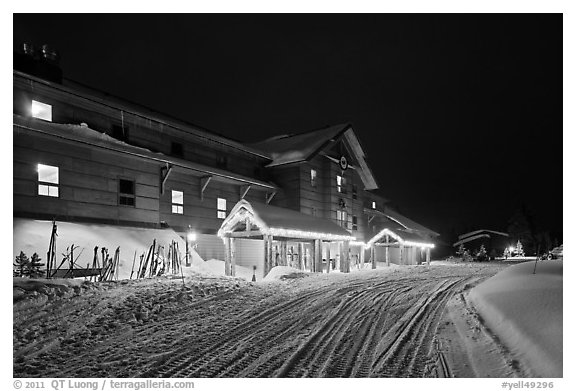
461	250
506	253
519	249
34	267
482	255
21	263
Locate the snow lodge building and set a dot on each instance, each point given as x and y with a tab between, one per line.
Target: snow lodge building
302	200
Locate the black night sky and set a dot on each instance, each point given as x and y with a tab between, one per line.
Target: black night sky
460	115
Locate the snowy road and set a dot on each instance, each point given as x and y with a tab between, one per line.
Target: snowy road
369	323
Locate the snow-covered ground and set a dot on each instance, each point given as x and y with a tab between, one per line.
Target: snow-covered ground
368	323
525	311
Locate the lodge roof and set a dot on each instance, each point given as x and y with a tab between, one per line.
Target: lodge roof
402	222
104	98
301	147
85	135
282	222
402	236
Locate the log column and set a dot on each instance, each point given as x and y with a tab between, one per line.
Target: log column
387	251
428	256
232	257
283	253
361	260
402	254
301	256
373	256
318	256
344	257
227	259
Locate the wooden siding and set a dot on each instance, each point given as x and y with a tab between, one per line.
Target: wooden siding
148	133
88	182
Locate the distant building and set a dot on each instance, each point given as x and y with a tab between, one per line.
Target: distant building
494	242
81	155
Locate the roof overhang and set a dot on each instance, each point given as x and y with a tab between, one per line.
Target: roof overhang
482	230
253	220
401	220
78	134
405	239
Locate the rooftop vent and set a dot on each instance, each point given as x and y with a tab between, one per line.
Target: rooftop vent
42	63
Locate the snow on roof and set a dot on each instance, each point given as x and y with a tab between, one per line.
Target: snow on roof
402	236
470	238
283	222
481	231
401	220
525	311
84	134
92	94
294	148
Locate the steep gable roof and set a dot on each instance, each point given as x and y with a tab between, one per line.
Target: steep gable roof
301	147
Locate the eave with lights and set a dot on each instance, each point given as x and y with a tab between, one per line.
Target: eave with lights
268	223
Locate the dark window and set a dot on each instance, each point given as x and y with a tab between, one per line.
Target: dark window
120	132
177	149
222	161
126	194
354	223
354	192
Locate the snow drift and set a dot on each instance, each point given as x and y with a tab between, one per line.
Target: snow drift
525	311
33	236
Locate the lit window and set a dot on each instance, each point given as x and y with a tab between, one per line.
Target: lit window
48	180
313	178
177	202
354	223
341	184
373	204
126	192
221	204
342	218
41	111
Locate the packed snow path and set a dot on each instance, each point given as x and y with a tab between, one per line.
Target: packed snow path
370	323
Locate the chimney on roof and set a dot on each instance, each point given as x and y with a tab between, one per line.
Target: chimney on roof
42	63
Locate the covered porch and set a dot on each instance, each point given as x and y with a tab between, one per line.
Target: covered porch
399	246
288	238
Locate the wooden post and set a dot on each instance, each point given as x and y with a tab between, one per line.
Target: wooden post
329	257
227	260
318	256
232	257
401	254
373	256
265	238
313	256
301	256
387	250
283	253
344	258
361	260
428	256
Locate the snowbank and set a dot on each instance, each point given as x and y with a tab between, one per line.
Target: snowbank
525	311
33	236
216	267
284	272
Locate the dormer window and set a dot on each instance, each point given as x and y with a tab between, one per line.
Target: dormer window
373	204
341	184
41	110
313	178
